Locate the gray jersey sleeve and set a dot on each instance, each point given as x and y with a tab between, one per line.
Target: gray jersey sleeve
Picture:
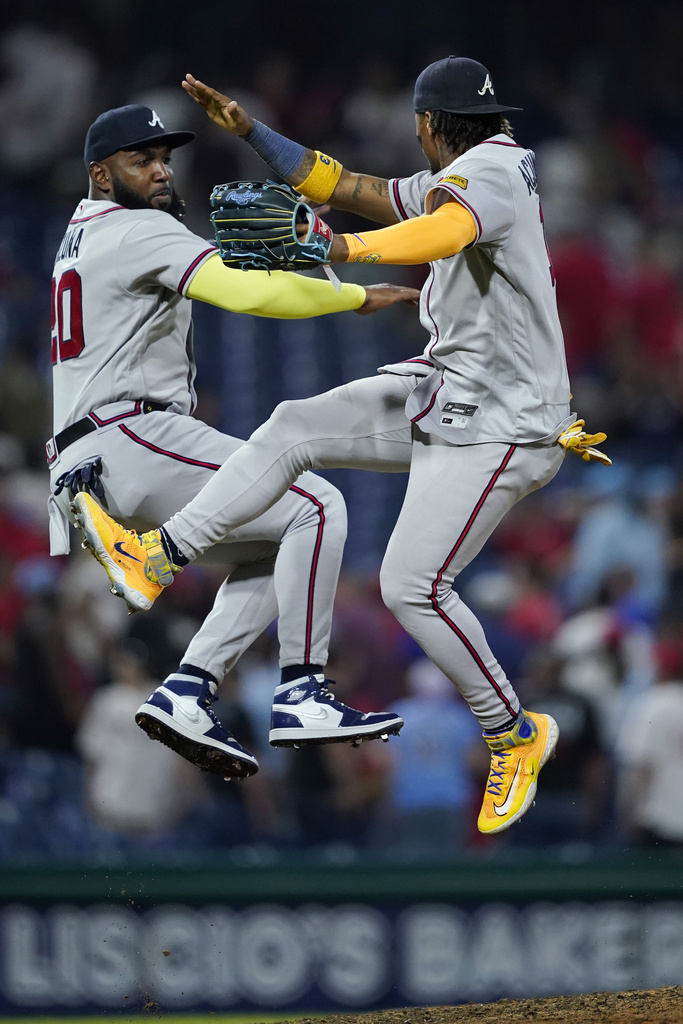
159	250
482	187
408	194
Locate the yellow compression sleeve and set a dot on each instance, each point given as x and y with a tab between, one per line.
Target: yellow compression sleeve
280	294
419	240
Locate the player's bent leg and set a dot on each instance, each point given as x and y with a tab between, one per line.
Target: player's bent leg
439	531
306	712
137	565
359	425
179	714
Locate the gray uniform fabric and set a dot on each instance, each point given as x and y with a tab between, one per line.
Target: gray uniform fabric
496	352
123	333
124	328
491	312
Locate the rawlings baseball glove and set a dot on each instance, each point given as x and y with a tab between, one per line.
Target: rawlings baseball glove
255	226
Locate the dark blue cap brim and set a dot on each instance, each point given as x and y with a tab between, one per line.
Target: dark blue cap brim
473	111
170	139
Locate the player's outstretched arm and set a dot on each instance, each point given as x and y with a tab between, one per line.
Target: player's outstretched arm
287	296
425	239
316	175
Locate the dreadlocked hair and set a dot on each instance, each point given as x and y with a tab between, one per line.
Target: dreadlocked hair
468	130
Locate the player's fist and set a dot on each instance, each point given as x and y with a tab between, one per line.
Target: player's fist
379	296
223	111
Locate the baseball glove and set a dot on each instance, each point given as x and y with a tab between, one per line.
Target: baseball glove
255	226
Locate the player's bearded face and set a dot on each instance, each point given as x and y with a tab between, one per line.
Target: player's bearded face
157	197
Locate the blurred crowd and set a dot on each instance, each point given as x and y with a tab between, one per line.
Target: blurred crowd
580	590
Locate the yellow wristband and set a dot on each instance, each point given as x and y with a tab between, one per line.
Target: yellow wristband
322	181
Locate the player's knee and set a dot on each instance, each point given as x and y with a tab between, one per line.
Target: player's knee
335	512
326	503
395	588
291	420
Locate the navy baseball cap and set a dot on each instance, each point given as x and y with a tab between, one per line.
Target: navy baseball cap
131	127
459	85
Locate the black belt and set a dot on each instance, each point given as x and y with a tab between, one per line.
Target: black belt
86	426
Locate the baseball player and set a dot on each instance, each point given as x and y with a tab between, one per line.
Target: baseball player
124	396
487	401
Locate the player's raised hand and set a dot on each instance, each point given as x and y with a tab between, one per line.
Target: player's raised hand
379	296
223	111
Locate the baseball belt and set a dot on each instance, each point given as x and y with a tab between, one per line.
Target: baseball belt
75	431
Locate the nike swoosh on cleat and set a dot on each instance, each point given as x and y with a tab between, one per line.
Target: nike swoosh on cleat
192	716
318	713
122	552
502	809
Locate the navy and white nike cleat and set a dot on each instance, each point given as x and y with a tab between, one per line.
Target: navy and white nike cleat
179	714
305	712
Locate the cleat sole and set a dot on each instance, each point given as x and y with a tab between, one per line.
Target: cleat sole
308	738
209	759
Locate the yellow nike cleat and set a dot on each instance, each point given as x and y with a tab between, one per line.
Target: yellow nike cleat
136	564
517	757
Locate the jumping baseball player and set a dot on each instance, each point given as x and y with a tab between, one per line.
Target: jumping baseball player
487	402
123	427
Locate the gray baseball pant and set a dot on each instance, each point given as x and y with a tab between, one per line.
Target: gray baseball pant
284	563
456	496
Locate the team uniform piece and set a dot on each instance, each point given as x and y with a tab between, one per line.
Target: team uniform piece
180	715
303	711
518	754
123	368
255	226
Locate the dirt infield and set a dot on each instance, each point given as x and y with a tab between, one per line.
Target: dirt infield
649	1006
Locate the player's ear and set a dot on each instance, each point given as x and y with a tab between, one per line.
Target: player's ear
99	175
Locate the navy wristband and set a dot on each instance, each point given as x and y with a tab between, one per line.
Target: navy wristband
282	155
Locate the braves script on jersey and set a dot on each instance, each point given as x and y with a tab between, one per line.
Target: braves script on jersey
121	327
491	311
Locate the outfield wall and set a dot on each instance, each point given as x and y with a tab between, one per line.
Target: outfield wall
319	938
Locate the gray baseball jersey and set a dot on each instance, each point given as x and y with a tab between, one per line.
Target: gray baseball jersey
491	312
122	332
117	334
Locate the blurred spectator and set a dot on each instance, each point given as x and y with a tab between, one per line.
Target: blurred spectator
587	303
376	649
133	786
615	534
378	120
44	99
334	788
250	813
607	654
649	753
576	783
428	807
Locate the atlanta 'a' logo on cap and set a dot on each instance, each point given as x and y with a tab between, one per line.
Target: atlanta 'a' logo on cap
157	120
486	87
